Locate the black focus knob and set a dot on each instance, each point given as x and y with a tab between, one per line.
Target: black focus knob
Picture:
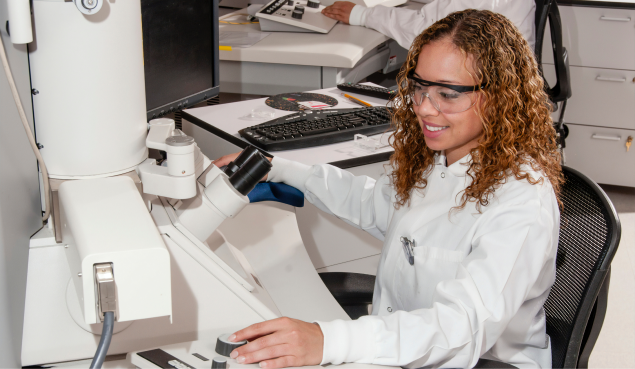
313	3
300	8
225	347
219	362
296	14
290	2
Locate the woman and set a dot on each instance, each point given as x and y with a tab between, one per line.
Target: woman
469	214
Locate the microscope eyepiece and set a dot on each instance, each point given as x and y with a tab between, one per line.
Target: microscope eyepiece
240	160
250	173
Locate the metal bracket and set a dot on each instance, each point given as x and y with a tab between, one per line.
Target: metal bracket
106	291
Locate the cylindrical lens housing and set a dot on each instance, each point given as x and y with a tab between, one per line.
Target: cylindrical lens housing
240	160
250	173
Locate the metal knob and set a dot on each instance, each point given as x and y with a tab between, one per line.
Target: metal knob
300	8
296	14
224	347
179	141
313	3
219	362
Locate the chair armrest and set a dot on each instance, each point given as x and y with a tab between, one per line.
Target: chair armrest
491	364
350	288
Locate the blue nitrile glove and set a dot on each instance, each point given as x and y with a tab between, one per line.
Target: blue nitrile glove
280	192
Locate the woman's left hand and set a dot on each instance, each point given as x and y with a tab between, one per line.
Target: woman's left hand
280	343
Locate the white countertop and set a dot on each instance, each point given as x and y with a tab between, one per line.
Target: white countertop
343	47
229	118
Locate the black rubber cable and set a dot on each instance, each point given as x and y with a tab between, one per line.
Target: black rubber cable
104	342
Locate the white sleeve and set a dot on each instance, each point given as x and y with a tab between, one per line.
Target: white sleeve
358	200
357	16
512	261
404	25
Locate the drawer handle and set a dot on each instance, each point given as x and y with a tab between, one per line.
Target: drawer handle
609	138
610	79
613	19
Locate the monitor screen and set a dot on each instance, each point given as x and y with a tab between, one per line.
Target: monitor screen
180	52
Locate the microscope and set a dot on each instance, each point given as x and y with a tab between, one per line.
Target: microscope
140	254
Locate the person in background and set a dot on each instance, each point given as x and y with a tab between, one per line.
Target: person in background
404	25
468	213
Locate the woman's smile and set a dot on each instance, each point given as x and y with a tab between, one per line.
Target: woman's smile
431	130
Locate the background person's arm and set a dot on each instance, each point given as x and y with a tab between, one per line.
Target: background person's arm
404	25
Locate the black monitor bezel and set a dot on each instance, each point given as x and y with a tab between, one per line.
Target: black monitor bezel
189	101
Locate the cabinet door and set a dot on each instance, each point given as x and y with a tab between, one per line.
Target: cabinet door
601	154
596	37
600	97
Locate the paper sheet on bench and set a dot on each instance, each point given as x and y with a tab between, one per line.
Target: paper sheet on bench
241	39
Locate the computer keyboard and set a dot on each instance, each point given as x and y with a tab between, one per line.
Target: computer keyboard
372	91
315	128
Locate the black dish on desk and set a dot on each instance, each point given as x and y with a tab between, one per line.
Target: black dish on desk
372	91
317	127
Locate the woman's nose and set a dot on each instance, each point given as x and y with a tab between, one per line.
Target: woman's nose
426	108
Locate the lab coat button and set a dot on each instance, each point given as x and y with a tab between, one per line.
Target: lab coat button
389	309
442	175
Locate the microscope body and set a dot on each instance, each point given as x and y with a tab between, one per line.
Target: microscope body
173	250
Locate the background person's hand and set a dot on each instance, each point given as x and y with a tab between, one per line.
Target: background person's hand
280	343
340	10
224	160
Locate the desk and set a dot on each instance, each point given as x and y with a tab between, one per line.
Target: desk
291	62
225	120
215	129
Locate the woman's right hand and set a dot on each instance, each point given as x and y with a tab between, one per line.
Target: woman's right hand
224	160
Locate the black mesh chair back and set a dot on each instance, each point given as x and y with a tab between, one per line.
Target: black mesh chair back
589	236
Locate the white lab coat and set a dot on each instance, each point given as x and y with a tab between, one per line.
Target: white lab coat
404	25
478	282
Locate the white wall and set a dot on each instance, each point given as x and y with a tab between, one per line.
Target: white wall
20	209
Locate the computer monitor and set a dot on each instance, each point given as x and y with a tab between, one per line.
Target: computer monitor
180	52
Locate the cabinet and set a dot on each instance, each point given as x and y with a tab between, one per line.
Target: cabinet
601	112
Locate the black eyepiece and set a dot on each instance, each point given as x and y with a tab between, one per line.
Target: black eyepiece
240	160
250	173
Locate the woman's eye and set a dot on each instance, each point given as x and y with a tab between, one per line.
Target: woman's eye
449	95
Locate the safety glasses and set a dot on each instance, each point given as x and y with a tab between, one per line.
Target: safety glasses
447	99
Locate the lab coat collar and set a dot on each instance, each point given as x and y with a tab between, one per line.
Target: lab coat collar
458	169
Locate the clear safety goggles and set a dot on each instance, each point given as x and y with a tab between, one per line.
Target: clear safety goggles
447	99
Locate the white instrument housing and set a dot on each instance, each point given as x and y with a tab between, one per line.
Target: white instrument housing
177	180
105	221
90	105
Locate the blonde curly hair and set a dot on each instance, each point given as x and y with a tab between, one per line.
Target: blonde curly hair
517	126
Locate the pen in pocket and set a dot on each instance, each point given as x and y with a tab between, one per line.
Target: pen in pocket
408	248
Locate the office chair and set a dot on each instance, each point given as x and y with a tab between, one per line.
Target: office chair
575	309
561	91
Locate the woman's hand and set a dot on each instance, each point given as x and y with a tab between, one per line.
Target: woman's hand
340	10
280	343
224	160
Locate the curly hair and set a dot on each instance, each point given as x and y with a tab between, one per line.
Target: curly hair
515	113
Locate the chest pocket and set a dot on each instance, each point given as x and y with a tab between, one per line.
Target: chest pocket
432	265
